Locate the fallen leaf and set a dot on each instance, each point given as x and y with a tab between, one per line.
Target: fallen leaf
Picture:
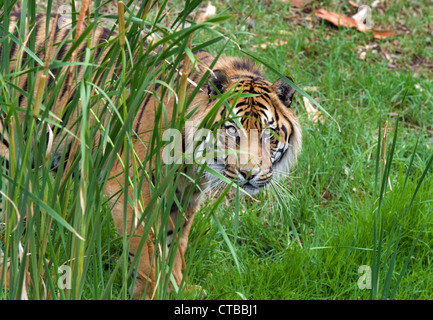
382	34
336	18
299	3
340	20
363	14
353	4
313	114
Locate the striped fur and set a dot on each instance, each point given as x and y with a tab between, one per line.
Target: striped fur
60	77
267	114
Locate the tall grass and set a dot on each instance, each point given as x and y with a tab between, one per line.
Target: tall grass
387	240
57	239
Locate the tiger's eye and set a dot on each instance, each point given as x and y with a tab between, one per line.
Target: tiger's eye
266	134
231	131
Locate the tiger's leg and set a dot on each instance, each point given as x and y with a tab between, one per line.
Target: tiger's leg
182	246
145	280
183	242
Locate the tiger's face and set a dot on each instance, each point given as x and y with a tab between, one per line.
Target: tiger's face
259	136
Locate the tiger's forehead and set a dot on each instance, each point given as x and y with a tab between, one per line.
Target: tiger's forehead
257	111
253	113
251	83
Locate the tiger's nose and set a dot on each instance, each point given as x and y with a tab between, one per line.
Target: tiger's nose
249	174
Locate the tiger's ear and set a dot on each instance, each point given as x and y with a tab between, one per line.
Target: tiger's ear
218	82
284	91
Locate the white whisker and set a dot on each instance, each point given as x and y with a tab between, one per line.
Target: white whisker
282	173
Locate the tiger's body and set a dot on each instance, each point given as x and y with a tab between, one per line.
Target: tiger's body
268	110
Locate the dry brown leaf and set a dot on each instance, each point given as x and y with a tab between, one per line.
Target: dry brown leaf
336	18
340	20
313	114
382	34
353	4
299	3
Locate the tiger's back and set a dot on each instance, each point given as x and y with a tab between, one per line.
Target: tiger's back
59	77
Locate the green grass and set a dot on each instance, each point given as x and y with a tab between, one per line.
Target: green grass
343	213
334	193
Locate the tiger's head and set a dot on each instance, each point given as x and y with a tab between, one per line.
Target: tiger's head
258	136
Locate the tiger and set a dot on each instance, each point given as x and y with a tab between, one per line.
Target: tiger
256	106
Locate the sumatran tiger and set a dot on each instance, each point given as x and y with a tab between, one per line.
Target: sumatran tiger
263	118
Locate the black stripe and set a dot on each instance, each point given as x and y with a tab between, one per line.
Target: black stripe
65	83
283	128
227	169
40	45
37	30
137	127
82	48
7	164
287	119
55	163
121	149
241	104
183	144
143	107
266	97
246	64
4	140
80	57
62	51
277	117
263	88
291	133
21	97
13	50
262	106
